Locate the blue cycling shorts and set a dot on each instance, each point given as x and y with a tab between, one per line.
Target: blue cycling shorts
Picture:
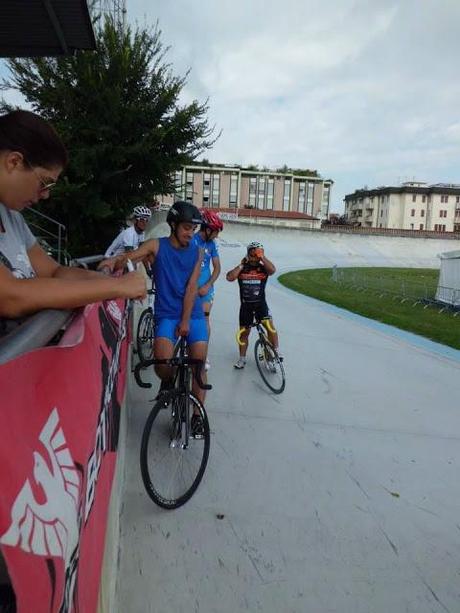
166	328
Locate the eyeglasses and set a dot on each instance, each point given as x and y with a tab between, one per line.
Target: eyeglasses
45	184
142	218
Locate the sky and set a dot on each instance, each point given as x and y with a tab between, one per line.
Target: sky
367	92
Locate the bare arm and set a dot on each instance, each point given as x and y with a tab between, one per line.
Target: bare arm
190	295
149	250
19	297
216	268
46	267
269	266
233	274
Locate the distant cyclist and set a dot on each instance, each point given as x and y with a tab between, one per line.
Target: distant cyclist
130	238
252	275
205	239
178	311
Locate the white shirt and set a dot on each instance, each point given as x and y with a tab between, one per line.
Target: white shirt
127	239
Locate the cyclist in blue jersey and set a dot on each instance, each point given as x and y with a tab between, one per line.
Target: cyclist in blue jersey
205	239
178	311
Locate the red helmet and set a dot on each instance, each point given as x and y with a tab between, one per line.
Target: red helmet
211	220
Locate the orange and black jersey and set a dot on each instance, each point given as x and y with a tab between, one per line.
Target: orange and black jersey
252	281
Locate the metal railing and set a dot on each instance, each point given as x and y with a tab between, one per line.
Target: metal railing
50	233
426	293
39	329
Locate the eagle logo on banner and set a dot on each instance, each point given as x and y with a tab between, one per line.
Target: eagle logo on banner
51	528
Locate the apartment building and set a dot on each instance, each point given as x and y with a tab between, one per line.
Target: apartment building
411	206
235	187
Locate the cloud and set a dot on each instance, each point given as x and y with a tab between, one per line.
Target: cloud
365	91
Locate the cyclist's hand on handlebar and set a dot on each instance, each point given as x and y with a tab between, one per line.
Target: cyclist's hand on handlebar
183	328
132	285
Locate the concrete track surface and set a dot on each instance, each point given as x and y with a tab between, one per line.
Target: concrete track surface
339	496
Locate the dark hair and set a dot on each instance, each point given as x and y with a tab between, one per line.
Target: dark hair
32	136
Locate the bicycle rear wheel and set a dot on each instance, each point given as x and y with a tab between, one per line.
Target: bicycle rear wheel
145	335
170	472
270	366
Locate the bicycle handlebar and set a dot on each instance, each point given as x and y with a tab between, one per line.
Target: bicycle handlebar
172	362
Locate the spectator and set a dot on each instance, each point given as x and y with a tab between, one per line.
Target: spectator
131	238
32	157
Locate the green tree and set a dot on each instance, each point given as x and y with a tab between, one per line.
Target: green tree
118	112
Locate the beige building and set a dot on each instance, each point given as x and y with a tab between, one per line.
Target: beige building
234	187
411	206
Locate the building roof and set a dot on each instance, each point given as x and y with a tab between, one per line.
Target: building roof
436	188
44	28
268	213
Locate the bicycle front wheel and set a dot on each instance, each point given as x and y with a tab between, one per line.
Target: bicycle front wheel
145	335
172	464
270	366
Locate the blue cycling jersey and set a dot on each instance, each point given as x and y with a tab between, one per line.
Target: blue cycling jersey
209	251
172	270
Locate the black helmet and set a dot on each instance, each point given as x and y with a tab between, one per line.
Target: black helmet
184	212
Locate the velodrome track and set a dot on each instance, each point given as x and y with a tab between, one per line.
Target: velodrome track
341	495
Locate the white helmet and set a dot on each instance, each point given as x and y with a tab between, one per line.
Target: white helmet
142	211
254	245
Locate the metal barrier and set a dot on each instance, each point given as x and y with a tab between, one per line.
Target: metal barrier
36	332
427	293
39	329
58	236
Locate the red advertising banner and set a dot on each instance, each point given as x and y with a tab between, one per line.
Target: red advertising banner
60	411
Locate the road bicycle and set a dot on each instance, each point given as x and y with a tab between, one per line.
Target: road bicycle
173	459
269	363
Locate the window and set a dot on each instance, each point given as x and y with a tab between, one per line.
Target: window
252	191
233	189
445	199
189	186
444	227
178	188
457	199
422	213
215	190
421	226
412	213
443	213
270	188
301	201
206	186
287	194
412	226
423	198
381	212
310	197
261	193
414	198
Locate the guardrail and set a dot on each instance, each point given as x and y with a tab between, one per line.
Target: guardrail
39	329
427	294
35	332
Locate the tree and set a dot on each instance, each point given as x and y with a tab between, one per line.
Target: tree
118	112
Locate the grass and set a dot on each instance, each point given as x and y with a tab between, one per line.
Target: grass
440	327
